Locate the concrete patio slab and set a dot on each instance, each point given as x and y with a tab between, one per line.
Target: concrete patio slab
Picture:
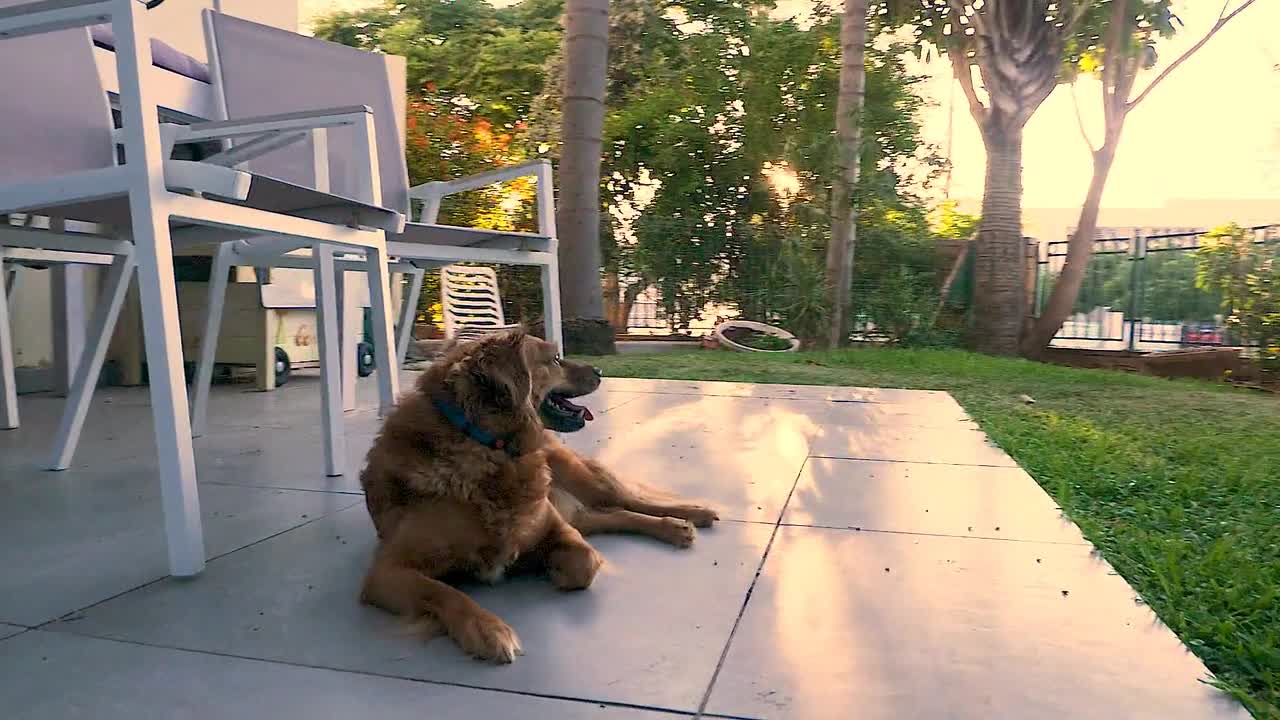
65	676
634	637
713	388
945	446
740	454
902	626
74	538
958	500
959	626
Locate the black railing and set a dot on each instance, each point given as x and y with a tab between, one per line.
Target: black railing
1140	293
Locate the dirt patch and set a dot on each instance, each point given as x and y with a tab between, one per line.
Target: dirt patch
1201	363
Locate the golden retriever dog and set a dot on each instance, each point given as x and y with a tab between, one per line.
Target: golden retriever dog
466	479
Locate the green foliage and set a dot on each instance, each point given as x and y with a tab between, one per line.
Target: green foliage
947	222
791	292
460	51
1246	275
703	97
898	275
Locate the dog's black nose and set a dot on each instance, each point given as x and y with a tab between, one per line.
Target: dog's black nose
597	371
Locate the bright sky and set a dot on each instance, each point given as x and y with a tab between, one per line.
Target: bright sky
1212	129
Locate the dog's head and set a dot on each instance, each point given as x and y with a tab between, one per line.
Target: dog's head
516	374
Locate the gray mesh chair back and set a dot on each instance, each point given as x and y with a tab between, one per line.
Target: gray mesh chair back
55	116
262	70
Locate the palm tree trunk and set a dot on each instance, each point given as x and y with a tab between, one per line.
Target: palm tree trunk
853	40
586	49
1000	295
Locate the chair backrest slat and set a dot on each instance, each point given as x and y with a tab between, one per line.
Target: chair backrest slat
53	109
470	299
260	70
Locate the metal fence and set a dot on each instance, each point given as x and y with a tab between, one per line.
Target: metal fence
648	317
1140	293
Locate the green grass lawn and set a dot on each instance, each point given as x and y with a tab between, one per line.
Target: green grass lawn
1177	482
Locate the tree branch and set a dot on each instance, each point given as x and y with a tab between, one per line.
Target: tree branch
957	10
1075	101
964	74
1222	21
1077	15
1119	27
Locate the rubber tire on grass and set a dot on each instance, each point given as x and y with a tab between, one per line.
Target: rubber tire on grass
763	328
283	367
365	361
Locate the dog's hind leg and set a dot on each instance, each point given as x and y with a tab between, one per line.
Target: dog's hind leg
407	591
671	530
597	488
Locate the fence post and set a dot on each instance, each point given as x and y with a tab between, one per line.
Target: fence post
1137	256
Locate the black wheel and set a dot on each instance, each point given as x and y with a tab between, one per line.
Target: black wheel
283	367
364	359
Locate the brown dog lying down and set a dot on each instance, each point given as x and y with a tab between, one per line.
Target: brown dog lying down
465	478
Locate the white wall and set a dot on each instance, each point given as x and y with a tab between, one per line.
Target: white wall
1047	224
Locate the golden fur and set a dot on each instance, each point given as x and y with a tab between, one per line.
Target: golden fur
443	503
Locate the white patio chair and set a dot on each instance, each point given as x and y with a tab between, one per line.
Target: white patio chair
57	160
470	302
14	254
255	70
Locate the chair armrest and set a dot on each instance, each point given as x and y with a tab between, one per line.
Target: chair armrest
309	120
433	192
271	132
46	16
475	182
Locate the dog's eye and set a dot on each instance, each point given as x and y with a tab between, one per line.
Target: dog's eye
557	360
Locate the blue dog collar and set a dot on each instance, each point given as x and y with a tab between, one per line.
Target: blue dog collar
458	419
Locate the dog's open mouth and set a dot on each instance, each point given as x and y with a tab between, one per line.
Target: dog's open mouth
561	414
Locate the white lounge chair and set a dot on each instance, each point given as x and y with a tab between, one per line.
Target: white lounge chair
470	302
57	160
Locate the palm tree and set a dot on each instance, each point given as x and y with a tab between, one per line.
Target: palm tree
586	62
853	40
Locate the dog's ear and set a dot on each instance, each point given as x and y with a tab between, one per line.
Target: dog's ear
500	372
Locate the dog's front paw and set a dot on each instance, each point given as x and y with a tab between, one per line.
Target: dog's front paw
574	567
676	531
701	516
486	637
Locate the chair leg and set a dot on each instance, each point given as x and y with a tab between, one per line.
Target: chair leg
349	338
384	344
408	311
157	291
335	452
163	341
114	287
218	279
8	377
551	304
69	324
